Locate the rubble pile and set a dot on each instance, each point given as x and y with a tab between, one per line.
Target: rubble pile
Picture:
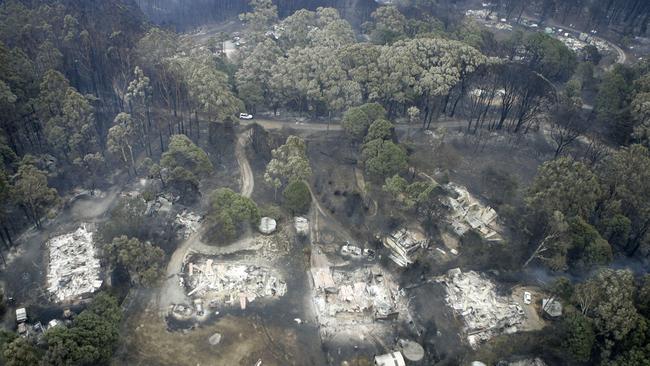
528	362
574	44
481	14
354	298
403	243
468	213
189	223
219	283
160	204
74	268
485	313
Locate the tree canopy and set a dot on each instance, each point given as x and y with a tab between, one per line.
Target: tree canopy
229	214
143	261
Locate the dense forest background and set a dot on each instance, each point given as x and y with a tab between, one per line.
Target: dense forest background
183	13
623	17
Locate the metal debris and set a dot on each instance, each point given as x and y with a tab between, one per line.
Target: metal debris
21	315
468	213
346	300
485	313
390	359
302	225
74	267
189	223
528	362
403	243
219	283
552	308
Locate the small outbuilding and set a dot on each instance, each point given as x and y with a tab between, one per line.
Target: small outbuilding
390	359
302	225
551	308
21	315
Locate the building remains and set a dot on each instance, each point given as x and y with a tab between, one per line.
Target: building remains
484	312
551	308
467	213
302	225
220	283
189	223
74	269
403	243
355	301
21	315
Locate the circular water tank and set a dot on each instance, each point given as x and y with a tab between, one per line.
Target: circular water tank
412	351
267	225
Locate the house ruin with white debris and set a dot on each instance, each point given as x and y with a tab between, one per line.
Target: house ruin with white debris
468	213
230	284
74	268
403	244
484	312
365	299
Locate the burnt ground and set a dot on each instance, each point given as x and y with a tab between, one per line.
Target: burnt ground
269	332
26	281
334	159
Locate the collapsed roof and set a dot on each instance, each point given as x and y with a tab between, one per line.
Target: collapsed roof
403	243
467	213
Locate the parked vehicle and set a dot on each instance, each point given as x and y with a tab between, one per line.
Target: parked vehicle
245	116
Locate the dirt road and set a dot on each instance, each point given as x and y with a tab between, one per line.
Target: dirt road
247	182
271	124
171	292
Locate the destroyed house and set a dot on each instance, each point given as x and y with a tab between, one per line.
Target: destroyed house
74	269
223	283
468	213
484	312
403	244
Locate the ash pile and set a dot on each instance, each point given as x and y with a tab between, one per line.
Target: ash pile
484	312
229	283
188	223
356	301
74	269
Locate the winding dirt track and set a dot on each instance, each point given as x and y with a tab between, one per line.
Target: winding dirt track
247	182
171	292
